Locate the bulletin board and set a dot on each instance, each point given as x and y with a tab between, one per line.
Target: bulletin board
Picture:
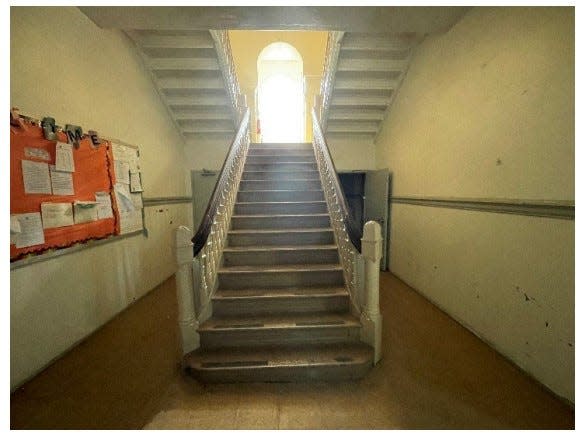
65	193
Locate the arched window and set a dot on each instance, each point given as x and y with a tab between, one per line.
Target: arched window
280	95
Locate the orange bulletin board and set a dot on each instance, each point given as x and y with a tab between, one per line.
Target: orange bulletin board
92	173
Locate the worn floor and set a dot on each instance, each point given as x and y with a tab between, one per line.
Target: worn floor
434	375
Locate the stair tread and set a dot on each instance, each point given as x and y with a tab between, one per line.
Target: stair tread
279	321
251	248
280	202
278	215
287	180
279	268
280	356
280	292
301	230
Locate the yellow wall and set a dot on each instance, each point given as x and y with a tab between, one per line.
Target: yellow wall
64	66
246	46
487	111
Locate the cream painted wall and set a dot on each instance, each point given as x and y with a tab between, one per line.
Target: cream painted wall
246	47
487	111
64	66
351	153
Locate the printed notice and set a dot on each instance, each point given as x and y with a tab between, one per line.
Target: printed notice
131	221
64	157
122	172
61	182
36	177
132	156
136	182
104	205
31	232
85	211
14	228
56	215
36	153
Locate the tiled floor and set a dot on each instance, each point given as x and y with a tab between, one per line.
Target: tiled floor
435	374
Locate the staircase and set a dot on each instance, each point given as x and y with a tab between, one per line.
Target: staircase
362	75
281	311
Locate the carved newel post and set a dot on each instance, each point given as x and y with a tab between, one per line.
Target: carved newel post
371	318
188	323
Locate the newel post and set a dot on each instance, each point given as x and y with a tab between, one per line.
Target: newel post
372	319
188	323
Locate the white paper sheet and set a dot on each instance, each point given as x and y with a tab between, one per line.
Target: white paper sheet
36	177
132	156
119	152
137	200
36	153
14	228
56	215
85	211
31	232
61	182
131	221
136	182
122	172
123	197
104	205
64	157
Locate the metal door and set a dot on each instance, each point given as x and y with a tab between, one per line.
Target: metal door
202	184
376	208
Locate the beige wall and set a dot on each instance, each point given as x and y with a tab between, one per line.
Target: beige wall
64	66
247	45
487	111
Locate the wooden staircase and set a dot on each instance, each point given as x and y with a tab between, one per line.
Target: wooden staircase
281	311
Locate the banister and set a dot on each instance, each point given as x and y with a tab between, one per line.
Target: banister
204	228
351	229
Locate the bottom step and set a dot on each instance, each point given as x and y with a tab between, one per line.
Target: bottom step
326	362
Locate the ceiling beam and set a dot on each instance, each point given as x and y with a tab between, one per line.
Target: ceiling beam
395	19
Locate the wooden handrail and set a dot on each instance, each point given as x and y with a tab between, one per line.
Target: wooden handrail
204	228
353	231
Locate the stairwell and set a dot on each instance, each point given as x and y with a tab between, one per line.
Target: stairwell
281	311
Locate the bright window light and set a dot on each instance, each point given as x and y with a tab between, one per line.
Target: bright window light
281	94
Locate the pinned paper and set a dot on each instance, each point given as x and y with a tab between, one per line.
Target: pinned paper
64	157
61	182
131	221
123	197
36	153
136	182
31	232
137	200
36	177
119	152
122	172
56	215
85	211
132	157
14	228
104	205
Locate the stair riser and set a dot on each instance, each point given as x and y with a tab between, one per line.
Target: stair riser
301	238
278	336
288	185
236	281
275	208
276	146
256	159
286	167
281	257
291	222
281	151
296	175
280	196
339	372
269	306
